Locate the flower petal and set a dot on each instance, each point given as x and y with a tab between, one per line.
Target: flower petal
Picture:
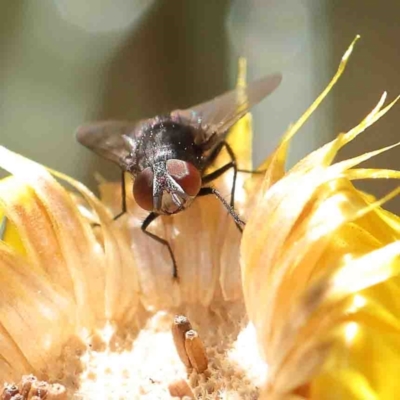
311	244
60	217
121	280
36	314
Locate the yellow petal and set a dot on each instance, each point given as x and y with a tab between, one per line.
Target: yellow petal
311	244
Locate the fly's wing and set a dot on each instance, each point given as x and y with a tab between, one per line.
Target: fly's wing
113	140
218	115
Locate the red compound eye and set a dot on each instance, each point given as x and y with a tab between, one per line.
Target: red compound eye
143	189
186	175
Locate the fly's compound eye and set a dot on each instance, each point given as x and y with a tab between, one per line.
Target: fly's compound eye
186	175
143	189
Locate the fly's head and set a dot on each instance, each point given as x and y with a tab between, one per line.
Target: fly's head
167	187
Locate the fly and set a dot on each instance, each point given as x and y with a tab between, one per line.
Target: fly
168	155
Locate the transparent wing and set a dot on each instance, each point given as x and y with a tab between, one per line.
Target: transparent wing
219	114
113	140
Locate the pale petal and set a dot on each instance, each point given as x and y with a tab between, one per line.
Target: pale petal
12	359
39	316
121	280
80	250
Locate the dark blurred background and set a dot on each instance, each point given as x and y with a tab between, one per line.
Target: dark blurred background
66	62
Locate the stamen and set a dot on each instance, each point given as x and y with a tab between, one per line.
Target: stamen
180	326
26	384
196	351
57	392
9	391
39	389
32	389
180	388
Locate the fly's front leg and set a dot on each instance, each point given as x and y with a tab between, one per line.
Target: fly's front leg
205	191
149	219
232	164
123	201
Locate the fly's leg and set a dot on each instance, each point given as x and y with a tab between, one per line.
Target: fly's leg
216	174
123	194
205	191
232	164
149	219
123	205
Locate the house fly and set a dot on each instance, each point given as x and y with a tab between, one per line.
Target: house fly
168	155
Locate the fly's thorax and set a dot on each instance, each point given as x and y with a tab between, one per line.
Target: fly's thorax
165	140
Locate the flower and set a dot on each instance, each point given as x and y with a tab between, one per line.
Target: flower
293	306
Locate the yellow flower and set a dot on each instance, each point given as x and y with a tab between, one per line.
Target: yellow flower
310	311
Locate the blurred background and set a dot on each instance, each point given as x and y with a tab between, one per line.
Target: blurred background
64	62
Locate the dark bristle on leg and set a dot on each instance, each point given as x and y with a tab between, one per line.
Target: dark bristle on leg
149	219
